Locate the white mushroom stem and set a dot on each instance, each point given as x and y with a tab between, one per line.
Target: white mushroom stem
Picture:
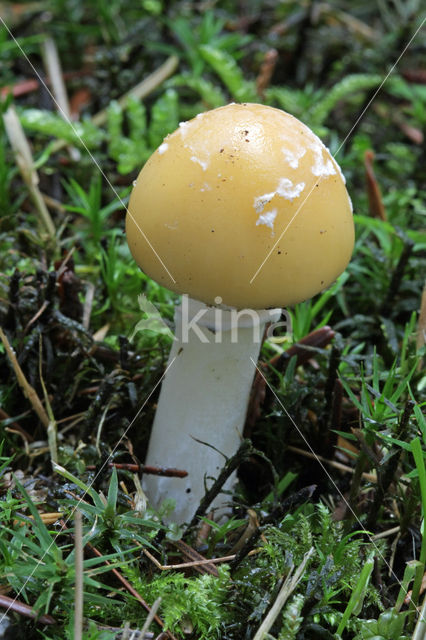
204	397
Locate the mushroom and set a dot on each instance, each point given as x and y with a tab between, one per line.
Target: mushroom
244	210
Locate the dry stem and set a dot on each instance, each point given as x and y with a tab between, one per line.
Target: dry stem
286	590
25	163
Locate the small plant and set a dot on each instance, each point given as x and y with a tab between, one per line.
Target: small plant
89	205
207	31
112	526
120	278
41	568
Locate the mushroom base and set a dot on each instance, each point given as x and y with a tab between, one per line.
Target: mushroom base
203	401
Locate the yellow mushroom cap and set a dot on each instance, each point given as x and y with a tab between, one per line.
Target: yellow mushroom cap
242	203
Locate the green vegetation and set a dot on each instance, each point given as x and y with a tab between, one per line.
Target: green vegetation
328	515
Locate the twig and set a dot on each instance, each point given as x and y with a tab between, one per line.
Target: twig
386	534
144	88
130	589
17	427
286	590
73	417
351	22
78	564
59	91
63	265
305	348
11	604
371	477
194	563
88	303
193	556
46	518
28	390
53	203
139	92
36	316
25	441
25	163
100	426
252	526
32	84
150	617
168	472
266	71
244	452
54	72
375	200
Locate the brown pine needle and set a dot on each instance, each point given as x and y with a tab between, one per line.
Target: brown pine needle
27	389
12	604
375	200
194	563
130	589
46	518
337	465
